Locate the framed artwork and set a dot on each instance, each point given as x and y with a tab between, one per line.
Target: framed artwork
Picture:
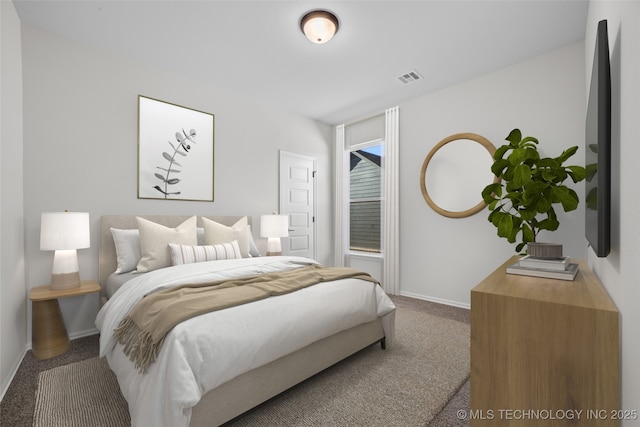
175	152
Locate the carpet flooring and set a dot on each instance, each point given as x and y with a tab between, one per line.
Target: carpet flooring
17	407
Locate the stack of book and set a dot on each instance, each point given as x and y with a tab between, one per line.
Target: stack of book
556	268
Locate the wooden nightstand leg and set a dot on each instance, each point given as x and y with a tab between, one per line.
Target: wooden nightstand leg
49	335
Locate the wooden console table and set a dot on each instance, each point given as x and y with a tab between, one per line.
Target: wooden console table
542	350
49	336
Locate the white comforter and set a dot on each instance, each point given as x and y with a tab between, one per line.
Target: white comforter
209	350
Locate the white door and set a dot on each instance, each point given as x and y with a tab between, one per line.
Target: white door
297	200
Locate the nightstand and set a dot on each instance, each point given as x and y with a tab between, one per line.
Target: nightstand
49	336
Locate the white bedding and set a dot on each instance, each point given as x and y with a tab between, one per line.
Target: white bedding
209	350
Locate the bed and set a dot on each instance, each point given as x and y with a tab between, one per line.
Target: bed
215	366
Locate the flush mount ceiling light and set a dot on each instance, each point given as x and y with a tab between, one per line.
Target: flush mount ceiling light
319	26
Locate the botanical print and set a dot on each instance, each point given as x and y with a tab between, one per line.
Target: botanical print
182	149
175	152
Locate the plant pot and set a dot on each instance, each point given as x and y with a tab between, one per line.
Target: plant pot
544	250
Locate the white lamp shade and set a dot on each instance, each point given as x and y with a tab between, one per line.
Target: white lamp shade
64	230
274	226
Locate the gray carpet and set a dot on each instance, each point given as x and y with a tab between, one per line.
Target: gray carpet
406	385
17	406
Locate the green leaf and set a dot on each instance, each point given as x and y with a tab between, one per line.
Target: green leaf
515	136
574	203
505	226
521	175
548	224
490	191
577	173
568	198
543	205
532	153
517	156
500	152
566	154
497	168
528	214
496	217
527	234
529	139
548	162
515	230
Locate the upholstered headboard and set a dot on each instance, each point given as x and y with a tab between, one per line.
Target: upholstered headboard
107	260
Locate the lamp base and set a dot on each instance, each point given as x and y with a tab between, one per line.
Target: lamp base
65	281
274	246
65	274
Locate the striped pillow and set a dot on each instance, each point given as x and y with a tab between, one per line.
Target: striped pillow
183	254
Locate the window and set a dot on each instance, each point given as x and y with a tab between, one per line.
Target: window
365	198
360	138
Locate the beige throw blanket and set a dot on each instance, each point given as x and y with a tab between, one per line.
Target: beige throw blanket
143	331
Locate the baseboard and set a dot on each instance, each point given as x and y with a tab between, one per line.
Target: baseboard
82	334
5	386
436	300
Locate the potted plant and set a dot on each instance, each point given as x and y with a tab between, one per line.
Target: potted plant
522	203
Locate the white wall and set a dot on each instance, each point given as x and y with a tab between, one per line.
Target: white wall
13	295
80	149
443	258
619	272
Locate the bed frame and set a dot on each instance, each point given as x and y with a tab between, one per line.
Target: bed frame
261	384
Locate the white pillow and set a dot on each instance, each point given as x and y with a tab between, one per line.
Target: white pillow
183	254
155	239
216	233
127	242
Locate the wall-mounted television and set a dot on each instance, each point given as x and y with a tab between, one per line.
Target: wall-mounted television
598	148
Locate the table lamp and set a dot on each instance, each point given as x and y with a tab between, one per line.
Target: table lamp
64	232
273	227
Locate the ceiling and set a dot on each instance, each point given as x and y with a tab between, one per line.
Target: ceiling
256	49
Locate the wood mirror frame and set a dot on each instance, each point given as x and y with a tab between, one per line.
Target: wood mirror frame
423	173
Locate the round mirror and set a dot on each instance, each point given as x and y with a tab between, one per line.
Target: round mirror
456	171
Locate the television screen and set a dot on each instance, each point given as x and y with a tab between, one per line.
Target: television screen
598	148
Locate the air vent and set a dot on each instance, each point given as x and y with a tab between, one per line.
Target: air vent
410	77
